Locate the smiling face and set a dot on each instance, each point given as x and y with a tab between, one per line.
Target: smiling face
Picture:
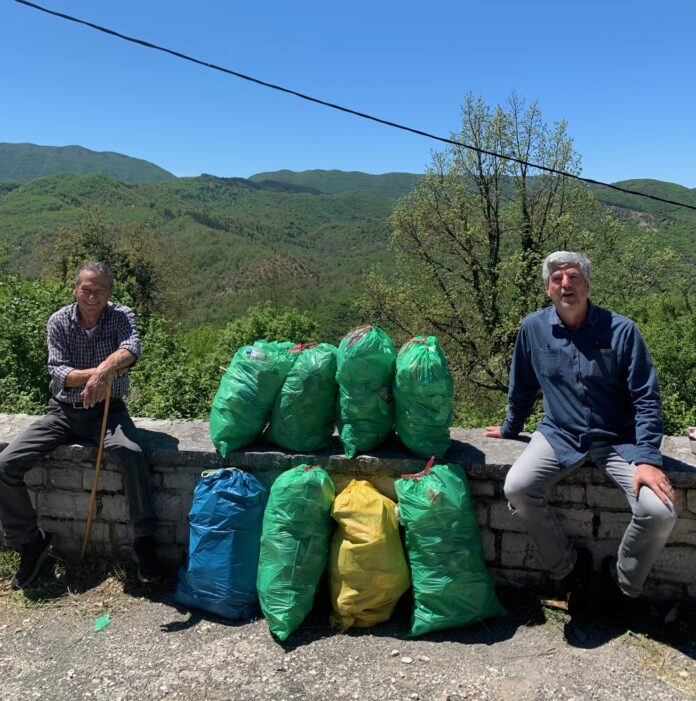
92	292
568	290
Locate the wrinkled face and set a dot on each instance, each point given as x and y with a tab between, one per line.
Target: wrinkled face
568	289
92	293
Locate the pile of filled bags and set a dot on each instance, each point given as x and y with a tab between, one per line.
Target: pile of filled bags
294	395
250	548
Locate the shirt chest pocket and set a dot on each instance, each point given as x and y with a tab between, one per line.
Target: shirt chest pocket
604	363
552	364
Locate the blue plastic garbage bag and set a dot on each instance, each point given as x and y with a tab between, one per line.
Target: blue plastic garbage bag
226	518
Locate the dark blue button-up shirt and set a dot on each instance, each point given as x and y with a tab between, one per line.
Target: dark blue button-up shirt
598	384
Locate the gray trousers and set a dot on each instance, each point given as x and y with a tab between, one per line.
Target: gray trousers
526	489
59	426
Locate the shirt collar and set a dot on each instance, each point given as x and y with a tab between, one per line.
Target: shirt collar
555	320
75	320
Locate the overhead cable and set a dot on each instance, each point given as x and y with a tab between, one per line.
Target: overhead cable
348	110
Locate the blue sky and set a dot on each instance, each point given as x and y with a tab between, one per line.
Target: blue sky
621	73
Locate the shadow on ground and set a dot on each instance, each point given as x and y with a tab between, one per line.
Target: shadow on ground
669	624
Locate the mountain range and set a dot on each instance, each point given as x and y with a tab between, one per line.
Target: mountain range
300	237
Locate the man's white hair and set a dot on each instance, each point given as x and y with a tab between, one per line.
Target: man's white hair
560	259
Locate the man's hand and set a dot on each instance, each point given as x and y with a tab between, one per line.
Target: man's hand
95	388
655	479
493	432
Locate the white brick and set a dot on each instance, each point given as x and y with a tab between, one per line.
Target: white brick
109	481
481	488
68	505
501	519
612	525
676	564
114	508
167	506
606	498
98	532
62	478
684	532
64	530
691	500
577	523
36	477
180	482
662	591
517	551
574	493
121	535
488	543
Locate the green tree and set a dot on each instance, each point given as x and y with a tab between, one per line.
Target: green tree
469	239
145	269
25	306
179	373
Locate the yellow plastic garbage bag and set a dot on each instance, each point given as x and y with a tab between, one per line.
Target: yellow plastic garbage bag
367	567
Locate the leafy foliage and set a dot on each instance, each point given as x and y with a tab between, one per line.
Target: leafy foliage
25	306
470	238
179	373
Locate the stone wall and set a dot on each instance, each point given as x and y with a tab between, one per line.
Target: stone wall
593	510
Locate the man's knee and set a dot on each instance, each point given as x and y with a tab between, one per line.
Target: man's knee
12	468
128	455
517	489
651	507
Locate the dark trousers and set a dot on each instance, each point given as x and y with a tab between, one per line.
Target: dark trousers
63	425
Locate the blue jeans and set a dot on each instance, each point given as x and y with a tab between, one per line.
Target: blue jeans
534	474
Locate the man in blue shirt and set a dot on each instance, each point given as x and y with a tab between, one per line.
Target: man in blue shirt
601	401
90	343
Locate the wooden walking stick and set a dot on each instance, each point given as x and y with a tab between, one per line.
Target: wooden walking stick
100	451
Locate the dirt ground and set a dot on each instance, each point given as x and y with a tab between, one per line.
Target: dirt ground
153	649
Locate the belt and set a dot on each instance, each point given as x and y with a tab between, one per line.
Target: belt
80	405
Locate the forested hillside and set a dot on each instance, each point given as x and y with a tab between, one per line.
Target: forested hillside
211	263
390	185
239	242
24	162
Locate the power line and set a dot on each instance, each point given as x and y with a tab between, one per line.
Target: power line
363	115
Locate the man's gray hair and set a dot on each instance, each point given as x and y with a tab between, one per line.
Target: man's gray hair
559	259
95	267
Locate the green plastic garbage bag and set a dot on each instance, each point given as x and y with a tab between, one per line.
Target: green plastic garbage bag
304	412
423	393
451	586
297	528
244	400
365	373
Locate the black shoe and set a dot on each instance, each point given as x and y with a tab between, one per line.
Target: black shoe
618	607
149	565
578	586
33	555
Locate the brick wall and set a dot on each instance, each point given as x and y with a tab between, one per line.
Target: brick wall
593	510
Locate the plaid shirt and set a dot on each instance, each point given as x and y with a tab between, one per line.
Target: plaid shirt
71	348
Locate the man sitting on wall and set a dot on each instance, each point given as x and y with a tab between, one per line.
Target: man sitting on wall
601	401
90	343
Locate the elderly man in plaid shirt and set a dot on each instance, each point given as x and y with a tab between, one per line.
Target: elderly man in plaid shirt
90	343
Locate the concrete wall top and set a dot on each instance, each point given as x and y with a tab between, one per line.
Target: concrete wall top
185	446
